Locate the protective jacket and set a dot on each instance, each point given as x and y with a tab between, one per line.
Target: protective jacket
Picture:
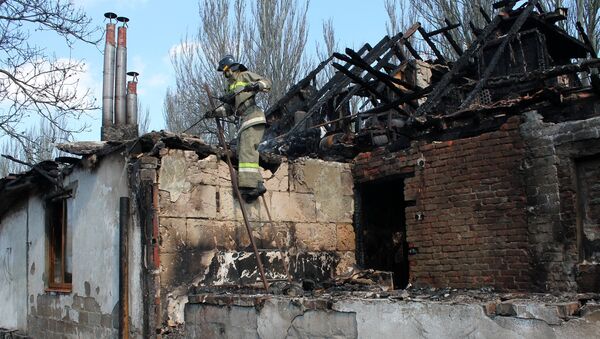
244	103
252	123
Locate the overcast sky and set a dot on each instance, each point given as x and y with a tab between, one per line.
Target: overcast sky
157	26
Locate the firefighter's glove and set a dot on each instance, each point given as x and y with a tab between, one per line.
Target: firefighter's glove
217	112
227	98
210	114
254	87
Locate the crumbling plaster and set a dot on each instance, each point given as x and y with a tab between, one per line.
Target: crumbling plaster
90	308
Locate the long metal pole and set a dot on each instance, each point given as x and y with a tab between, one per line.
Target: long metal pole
108	78
132	103
123	268
120	77
236	190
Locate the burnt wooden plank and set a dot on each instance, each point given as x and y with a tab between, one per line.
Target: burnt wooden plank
404	40
412	50
451	40
586	40
431	45
358	80
384	78
512	33
443	86
443	29
485	15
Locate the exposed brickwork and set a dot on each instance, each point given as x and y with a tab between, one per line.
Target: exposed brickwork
83	319
468	223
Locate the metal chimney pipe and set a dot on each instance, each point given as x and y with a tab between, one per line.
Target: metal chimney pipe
108	78
132	102
120	78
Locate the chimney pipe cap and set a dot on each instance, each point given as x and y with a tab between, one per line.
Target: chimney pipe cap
110	15
123	19
134	75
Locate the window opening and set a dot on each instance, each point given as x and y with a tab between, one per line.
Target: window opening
60	259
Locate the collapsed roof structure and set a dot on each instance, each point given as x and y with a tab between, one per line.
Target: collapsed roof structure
460	189
521	60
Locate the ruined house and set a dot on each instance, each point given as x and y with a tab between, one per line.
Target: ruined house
461	200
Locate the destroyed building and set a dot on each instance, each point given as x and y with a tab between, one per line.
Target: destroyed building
460	200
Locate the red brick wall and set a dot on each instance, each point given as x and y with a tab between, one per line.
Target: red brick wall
471	193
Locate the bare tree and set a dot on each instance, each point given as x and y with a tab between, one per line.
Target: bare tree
32	83
143	118
588	13
433	14
326	49
37	144
269	38
400	16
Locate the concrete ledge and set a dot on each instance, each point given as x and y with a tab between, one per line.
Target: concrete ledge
267	316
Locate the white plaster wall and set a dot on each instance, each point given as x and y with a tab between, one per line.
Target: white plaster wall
37	250
13	270
93	218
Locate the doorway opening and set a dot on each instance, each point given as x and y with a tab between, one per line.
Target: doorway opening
381	228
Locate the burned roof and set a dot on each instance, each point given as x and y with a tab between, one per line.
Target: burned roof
47	176
521	60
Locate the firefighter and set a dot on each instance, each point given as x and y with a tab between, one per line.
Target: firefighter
242	86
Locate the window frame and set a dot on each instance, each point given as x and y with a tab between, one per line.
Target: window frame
52	204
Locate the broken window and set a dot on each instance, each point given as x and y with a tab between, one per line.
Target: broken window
588	216
60	260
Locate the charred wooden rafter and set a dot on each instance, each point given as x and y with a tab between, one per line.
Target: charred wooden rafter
510	36
389	76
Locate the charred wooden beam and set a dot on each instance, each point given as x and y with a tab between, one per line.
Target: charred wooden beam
443	29
512	33
507	4
450	39
397	47
404	99
384	78
37	169
560	14
300	85
339	81
485	15
431	45
358	80
540	8
353	92
306	81
586	40
412	50
476	31
443	86
513	104
543	74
